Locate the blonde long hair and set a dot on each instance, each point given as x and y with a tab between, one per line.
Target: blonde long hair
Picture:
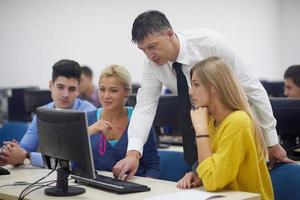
214	71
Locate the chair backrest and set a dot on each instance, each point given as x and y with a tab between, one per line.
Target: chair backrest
173	166
286	182
13	130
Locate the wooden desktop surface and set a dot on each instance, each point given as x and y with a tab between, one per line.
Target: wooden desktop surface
158	187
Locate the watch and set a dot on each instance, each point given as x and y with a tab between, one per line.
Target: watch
27	160
27	155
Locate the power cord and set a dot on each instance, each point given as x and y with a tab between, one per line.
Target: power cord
34	189
25	191
43	185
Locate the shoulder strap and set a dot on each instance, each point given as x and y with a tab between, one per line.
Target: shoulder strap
99	112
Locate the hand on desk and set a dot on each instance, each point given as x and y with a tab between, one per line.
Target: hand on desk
12	153
277	153
127	167
190	180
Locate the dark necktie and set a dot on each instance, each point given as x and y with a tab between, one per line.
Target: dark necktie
185	122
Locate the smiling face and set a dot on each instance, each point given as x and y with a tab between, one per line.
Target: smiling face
64	91
112	93
200	94
160	47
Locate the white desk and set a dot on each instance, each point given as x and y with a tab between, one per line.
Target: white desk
172	148
158	187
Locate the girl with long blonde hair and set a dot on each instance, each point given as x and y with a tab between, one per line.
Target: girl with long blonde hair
231	149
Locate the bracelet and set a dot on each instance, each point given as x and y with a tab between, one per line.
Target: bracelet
200	136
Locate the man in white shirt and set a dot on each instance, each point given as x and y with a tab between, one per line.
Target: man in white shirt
155	37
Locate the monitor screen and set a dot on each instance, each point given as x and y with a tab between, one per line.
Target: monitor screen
274	88
287	113
166	113
36	98
16	104
63	135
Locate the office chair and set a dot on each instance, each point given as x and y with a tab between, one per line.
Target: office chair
286	181
173	166
287	113
13	130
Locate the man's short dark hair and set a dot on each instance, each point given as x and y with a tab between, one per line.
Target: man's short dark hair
85	70
149	22
293	72
66	68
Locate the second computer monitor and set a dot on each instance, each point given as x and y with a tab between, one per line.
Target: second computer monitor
166	116
287	113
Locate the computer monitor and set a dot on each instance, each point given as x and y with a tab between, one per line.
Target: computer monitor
63	135
287	113
16	104
166	113
274	88
135	87
166	121
34	99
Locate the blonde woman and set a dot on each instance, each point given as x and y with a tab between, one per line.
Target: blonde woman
109	133
231	149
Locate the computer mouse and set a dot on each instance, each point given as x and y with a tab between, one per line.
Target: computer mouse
4	171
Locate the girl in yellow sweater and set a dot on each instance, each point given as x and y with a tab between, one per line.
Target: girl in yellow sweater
231	149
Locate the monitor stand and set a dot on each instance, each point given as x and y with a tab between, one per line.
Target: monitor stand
62	188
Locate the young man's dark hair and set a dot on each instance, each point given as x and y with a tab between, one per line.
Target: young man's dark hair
86	71
293	72
149	22
66	68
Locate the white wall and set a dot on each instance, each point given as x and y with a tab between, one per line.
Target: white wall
289	33
34	34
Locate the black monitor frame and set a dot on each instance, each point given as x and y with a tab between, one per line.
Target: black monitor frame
166	112
63	135
34	99
16	104
287	113
274	88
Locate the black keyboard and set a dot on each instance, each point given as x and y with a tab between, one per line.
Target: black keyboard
4	171
111	184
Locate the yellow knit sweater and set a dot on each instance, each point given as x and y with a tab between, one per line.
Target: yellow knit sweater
234	164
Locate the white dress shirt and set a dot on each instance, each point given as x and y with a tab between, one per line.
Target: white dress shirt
195	45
